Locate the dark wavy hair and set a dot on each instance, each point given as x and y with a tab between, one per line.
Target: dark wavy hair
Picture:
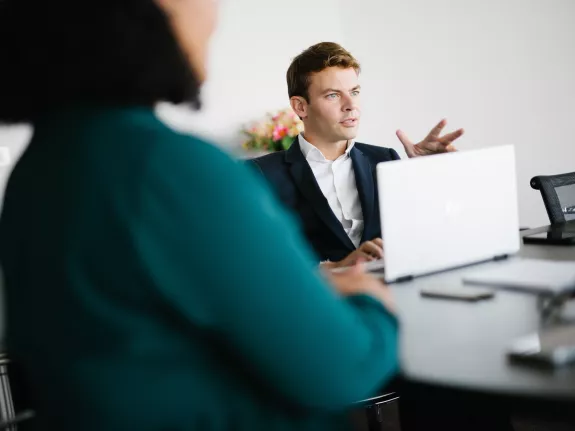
57	53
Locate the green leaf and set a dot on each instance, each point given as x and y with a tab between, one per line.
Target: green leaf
286	142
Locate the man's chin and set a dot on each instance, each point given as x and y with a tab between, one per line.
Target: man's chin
349	134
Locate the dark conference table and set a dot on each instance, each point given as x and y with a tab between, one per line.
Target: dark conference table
462	345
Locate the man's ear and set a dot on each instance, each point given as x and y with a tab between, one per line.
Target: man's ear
299	106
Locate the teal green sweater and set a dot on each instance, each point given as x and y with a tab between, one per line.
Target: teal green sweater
154	283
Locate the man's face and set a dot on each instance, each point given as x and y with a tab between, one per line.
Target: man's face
333	111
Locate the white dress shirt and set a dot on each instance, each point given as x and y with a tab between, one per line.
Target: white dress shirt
336	180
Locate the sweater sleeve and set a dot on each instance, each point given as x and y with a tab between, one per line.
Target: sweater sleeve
224	254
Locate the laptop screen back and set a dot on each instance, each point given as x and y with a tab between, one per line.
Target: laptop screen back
444	211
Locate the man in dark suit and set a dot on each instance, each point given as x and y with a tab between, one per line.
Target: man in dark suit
329	181
325	177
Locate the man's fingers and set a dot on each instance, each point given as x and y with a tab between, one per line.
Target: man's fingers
450	137
358	256
450	149
378	241
404	139
372	249
367	256
437	129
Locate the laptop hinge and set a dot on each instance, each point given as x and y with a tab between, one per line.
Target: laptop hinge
501	257
404	279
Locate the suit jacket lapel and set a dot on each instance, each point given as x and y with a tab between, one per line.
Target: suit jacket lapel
305	181
364	179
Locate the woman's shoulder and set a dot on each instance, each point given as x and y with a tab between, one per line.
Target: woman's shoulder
141	130
191	156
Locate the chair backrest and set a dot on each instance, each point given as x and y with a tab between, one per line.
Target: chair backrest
558	192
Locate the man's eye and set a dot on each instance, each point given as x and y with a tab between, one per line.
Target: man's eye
355	93
332	96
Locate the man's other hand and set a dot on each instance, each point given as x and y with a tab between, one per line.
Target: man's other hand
369	250
434	142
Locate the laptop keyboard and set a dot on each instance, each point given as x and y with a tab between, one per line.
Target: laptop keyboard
374	265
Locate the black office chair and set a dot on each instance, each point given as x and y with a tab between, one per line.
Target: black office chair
558	192
373	406
9	419
11	391
12	424
6	403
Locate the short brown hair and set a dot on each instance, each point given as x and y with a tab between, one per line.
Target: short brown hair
315	59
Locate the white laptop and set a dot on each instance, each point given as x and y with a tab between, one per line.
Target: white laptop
444	211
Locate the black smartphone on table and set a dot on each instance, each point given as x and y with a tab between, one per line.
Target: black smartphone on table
458	293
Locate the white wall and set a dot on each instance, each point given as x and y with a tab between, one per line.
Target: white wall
502	69
251	52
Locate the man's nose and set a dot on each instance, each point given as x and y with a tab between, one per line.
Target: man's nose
349	104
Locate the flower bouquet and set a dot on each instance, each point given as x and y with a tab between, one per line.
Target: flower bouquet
275	133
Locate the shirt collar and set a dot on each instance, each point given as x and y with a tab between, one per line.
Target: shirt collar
313	153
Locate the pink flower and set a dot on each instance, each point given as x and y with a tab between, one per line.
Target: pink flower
279	132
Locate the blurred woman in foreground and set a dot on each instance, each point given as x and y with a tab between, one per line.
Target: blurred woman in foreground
152	282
